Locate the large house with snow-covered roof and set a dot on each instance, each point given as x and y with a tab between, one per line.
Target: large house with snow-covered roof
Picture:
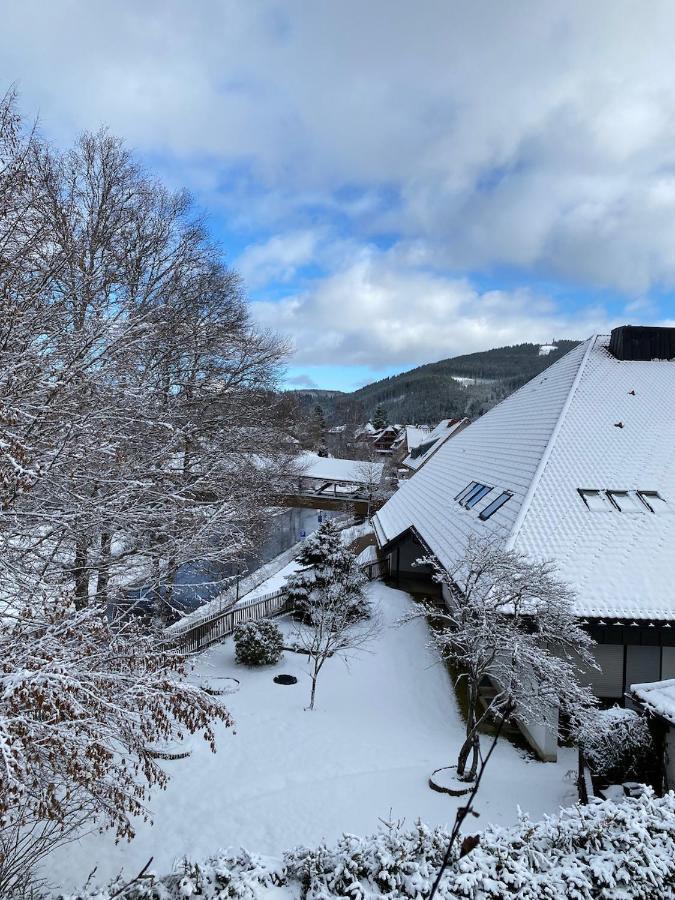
577	466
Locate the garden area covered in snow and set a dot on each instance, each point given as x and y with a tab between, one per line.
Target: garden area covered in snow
285	777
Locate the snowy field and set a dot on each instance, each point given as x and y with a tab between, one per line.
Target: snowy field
286	777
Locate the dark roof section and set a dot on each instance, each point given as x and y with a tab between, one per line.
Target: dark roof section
642	342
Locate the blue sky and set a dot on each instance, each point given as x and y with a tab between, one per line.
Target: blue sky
396	182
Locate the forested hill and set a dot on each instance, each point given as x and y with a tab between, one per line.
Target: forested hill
432	391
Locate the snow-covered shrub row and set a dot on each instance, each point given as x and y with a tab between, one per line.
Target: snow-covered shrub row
606	849
616	742
258	643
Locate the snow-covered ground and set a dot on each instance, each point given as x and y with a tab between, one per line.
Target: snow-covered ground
286	777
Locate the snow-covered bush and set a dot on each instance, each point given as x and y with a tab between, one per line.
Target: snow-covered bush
616	743
258	643
605	849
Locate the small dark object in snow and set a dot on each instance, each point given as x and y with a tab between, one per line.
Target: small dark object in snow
470	842
618	424
285	679
632	393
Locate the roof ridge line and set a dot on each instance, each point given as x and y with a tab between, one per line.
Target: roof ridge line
536	478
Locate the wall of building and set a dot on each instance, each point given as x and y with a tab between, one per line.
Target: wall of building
670	757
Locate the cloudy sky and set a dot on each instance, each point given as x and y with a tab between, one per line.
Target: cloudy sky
398	182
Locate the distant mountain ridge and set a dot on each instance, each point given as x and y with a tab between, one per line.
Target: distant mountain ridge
429	392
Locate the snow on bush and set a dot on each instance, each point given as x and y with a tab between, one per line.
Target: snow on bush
624	850
616	742
258	643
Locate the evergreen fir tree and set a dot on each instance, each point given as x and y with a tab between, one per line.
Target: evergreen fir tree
318	429
380	418
327	567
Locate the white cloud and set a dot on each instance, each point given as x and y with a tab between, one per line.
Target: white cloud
277	259
540	135
376	312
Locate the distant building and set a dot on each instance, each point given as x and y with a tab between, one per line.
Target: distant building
331	477
577	466
420	454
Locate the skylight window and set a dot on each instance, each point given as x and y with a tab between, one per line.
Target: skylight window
467	490
626	502
595	500
477	494
496	504
653	501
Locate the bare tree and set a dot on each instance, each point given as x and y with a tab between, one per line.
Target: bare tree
371	471
328	595
136	403
510	621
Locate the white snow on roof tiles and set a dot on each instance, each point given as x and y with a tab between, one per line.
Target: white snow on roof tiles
354	471
555	435
658	696
415	436
434	440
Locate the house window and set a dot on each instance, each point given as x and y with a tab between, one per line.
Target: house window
467	490
496	504
653	501
595	500
477	494
626	502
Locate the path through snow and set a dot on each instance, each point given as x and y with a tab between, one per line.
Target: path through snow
289	777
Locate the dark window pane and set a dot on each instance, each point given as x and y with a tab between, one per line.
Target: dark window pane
496	504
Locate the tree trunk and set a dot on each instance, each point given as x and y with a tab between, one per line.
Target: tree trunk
471	742
313	694
104	569
80	573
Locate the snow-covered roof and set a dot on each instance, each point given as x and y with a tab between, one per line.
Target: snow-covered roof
415	435
432	442
589	422
658	697
328	468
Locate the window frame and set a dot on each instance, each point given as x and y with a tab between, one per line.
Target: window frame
636	507
476	496
601	494
645	497
494	505
471	486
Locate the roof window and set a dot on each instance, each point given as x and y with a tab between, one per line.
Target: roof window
496	504
477	494
467	490
595	500
626	502
623	501
653	501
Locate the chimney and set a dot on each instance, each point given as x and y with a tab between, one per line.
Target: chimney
642	342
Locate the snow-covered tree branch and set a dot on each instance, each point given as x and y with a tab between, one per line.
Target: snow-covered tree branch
509	621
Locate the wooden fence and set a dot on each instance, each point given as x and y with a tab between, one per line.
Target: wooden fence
219	625
222	623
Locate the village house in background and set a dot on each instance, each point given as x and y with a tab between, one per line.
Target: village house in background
337	478
420	452
578	466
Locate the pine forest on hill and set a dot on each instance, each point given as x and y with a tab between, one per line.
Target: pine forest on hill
432	392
